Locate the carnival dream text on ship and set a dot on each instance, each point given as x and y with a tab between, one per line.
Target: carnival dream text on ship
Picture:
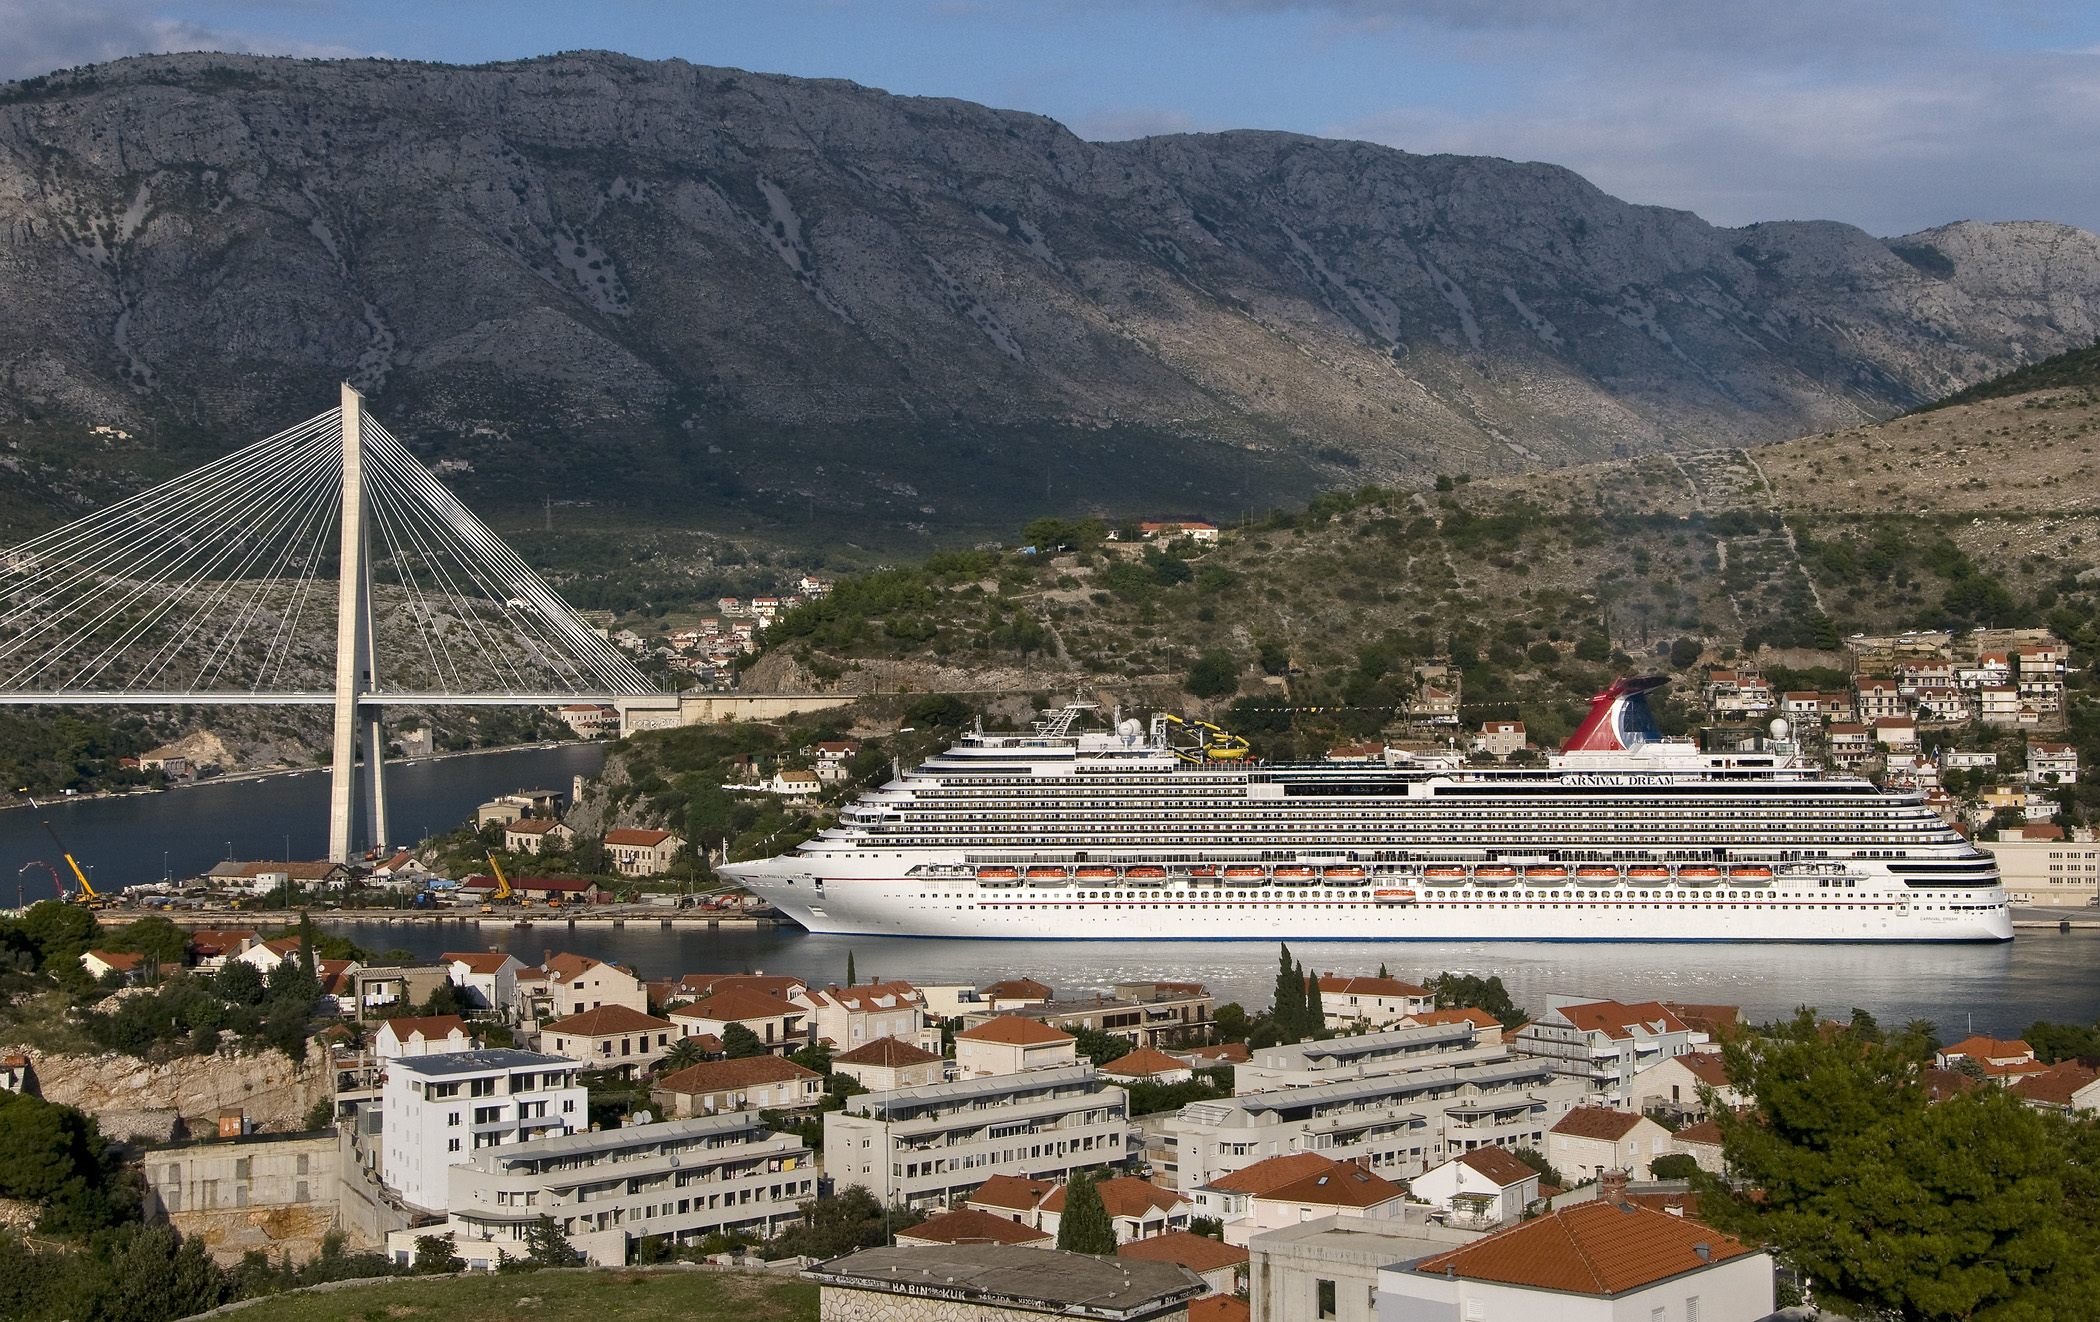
1624	836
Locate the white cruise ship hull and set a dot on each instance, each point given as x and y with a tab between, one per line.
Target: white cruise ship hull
1623	837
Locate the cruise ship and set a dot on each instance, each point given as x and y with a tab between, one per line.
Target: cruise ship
1119	834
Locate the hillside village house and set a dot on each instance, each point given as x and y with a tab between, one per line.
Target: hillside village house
425	1036
850	1016
1371	1002
642	853
123	964
1597	1261
1500	738
1484	1187
832	757
1145	1065
487	980
611	1037
1220	1265
794	784
1434	705
780	1024
715	1086
2051	764
1895	732
1011	1044
211	947
267	955
1590	1140
1998	1059
887	1064
535	835
590	720
570	984
1344	1190
1671	1086
1012	994
2068	1088
947	1229
1138	1209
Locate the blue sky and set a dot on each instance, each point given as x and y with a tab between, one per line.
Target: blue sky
1893	116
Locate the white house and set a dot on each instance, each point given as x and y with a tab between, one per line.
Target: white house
642	853
440	1109
1010	1044
488	980
774	1021
1673	1085
1148	1065
425	1036
1596	1261
1484	1187
853	1016
101	963
611	1037
887	1064
1371	1002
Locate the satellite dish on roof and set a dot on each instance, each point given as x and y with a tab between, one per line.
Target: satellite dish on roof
1780	728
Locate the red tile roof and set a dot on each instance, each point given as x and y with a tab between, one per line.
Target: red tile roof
868	995
1144	1062
1989	1049
1015	989
1274	1173
738	1003
629	836
886	1051
477	961
1124	1196
1498	1166
123	961
1705	1132
1014	1031
430	1026
1012	1191
1615	1020
605	1020
1198	1253
1219	1308
1705	1066
1593	1248
2056	1085
745	1072
1596	1122
1330	985
971	1226
1477	1018
1345	1186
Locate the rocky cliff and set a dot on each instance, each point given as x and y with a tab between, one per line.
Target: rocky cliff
723	295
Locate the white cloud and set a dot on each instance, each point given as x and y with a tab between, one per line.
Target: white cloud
43	35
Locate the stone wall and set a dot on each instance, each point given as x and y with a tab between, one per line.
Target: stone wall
838	1304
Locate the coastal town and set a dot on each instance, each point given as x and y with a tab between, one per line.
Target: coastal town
1366	1139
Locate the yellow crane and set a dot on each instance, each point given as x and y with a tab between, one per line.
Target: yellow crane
503	891
87	894
1213	744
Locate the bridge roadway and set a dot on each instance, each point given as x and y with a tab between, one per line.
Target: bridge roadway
596	916
648	711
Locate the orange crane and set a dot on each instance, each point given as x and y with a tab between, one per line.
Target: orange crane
87	894
504	894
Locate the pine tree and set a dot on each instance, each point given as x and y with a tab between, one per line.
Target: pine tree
1290	999
1084	1227
1315	1012
546	1245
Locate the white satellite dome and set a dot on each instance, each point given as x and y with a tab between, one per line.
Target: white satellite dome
1779	727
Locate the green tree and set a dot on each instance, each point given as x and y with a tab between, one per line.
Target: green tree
816	1056
61	932
739	1042
1289	1013
684	1054
1674	1166
55	1157
1535	1159
1084	1226
2060	1042
435	1255
1467	991
239	982
1976	1207
307	943
848	1220
1315	1010
1229	1023
1101	1047
1213	675
849	968
546	1246
160	941
151	1274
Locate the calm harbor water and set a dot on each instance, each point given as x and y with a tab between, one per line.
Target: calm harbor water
131	839
2000	989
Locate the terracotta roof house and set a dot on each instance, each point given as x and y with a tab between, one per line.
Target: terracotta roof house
611	1037
1225	1053
1702	1143
1477	1189
1596	1259
1010	1044
1674	1085
1013	993
1590	1140
1490	1028
1372	1002
642	853
1146	1065
1218	1264
1997	1058
849	1016
1220	1308
123	963
715	1086
1139	1209
1941	1084
774	1021
428	1035
1719	1022
970	1226
1013	1196
210	947
887	1064
1233	1198
2070	1087
693	986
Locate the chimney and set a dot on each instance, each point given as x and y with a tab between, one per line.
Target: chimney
1611	1187
1704	1250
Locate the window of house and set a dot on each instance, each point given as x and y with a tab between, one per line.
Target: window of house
1326	1300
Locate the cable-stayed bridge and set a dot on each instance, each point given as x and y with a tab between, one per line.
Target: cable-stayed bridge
324	551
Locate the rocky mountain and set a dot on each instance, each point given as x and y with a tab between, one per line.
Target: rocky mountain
745	300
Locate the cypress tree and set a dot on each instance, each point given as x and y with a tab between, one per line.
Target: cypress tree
1315	1012
1085	1227
306	943
849	968
1289	1013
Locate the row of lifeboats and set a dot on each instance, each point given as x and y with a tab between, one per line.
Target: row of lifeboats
1053	874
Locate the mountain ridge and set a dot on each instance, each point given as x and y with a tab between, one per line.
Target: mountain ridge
746	298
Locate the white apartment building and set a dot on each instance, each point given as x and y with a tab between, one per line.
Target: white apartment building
442	1109
680	1179
855	1016
1371	1002
937	1143
1298	1064
1605	1043
487	979
1398	1124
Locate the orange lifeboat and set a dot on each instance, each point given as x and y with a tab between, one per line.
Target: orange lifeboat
1699	873
1204	870
1046	874
1552	872
998	874
1751	873
1347	872
1095	874
1146	873
1596	873
1647	872
1393	897
1444	872
1494	872
1292	873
